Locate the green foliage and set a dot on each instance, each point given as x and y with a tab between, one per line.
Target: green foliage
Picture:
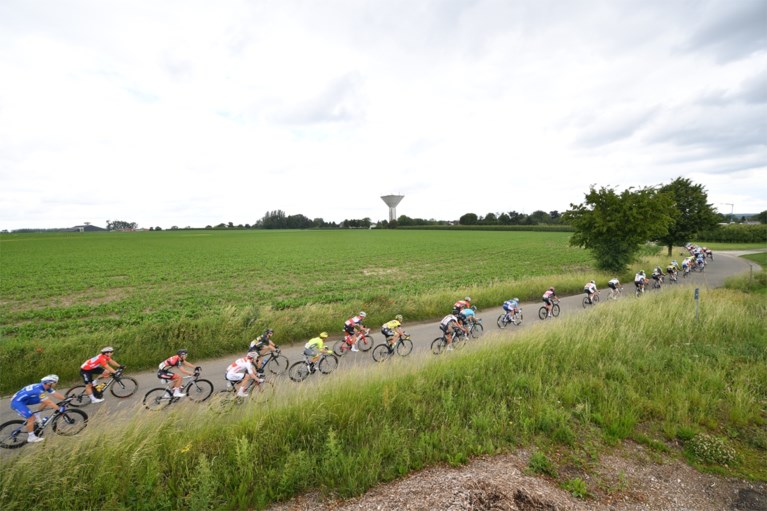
735	233
370	425
577	487
614	226
710	449
540	464
691	212
67	294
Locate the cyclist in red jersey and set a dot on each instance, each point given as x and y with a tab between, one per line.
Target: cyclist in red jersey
354	326
178	361
94	367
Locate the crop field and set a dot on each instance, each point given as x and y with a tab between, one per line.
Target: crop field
212	289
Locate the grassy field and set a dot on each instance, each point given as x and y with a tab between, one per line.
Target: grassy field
64	295
732	246
568	390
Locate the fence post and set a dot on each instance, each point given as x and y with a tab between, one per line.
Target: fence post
697	301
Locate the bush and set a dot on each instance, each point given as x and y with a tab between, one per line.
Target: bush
710	450
540	464
735	233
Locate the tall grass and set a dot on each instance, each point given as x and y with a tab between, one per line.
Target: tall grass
644	370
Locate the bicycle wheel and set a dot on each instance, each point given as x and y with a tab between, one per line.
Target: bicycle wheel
124	387
542	313
13	434
365	343
438	345
158	398
81	399
555	310
328	364
340	348
501	321
586	302
477	330
278	365
381	352
298	371
199	390
70	422
595	300
404	347
262	392
517	319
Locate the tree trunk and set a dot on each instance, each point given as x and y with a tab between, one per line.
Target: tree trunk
670	250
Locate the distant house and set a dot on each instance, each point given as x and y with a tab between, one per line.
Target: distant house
85	228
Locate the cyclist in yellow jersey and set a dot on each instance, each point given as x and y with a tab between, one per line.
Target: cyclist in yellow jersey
314	348
392	331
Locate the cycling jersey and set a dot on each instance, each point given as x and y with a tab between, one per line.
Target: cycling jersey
548	294
355	321
468	313
510	305
446	321
460	305
590	288
315	343
95	362
170	362
240	366
259	343
31	394
392	325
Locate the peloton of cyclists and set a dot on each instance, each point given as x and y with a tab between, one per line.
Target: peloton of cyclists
36	393
179	362
392	331
590	289
242	371
448	325
313	349
548	298
92	369
352	327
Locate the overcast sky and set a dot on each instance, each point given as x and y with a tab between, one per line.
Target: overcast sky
192	113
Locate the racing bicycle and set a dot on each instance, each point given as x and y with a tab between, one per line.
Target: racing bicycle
440	345
276	362
363	339
402	347
258	392
196	389
594	300
543	313
327	363
120	386
64	421
507	319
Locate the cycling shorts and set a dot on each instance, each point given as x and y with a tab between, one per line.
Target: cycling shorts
164	374
547	301
234	376
21	408
349	329
611	285
387	332
88	374
311	352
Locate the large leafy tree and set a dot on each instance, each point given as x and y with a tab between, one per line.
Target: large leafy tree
691	212
614	226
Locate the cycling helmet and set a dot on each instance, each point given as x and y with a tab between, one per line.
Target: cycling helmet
641	272
268	331
251	355
362	314
181	353
468	298
551	289
398	317
50	379
593	282
107	349
474	308
324	335
516	299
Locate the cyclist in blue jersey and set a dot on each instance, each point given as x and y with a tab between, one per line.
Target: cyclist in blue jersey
511	307
37	393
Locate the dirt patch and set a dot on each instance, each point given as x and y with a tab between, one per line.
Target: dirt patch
624	481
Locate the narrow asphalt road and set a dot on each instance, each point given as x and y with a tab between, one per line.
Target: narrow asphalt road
112	409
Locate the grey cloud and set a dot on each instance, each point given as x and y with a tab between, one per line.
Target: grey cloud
732	29
754	90
612	127
339	102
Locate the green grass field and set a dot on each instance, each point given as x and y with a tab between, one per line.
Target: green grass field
570	390
64	295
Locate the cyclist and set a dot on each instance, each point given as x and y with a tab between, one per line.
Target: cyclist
657	275
94	367
314	348
511	307
615	285
671	271
352	327
590	289
548	298
468	315
243	370
449	325
392	331
461	305
178	361
640	280
262	345
32	395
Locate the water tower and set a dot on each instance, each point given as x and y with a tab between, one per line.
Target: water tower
392	201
